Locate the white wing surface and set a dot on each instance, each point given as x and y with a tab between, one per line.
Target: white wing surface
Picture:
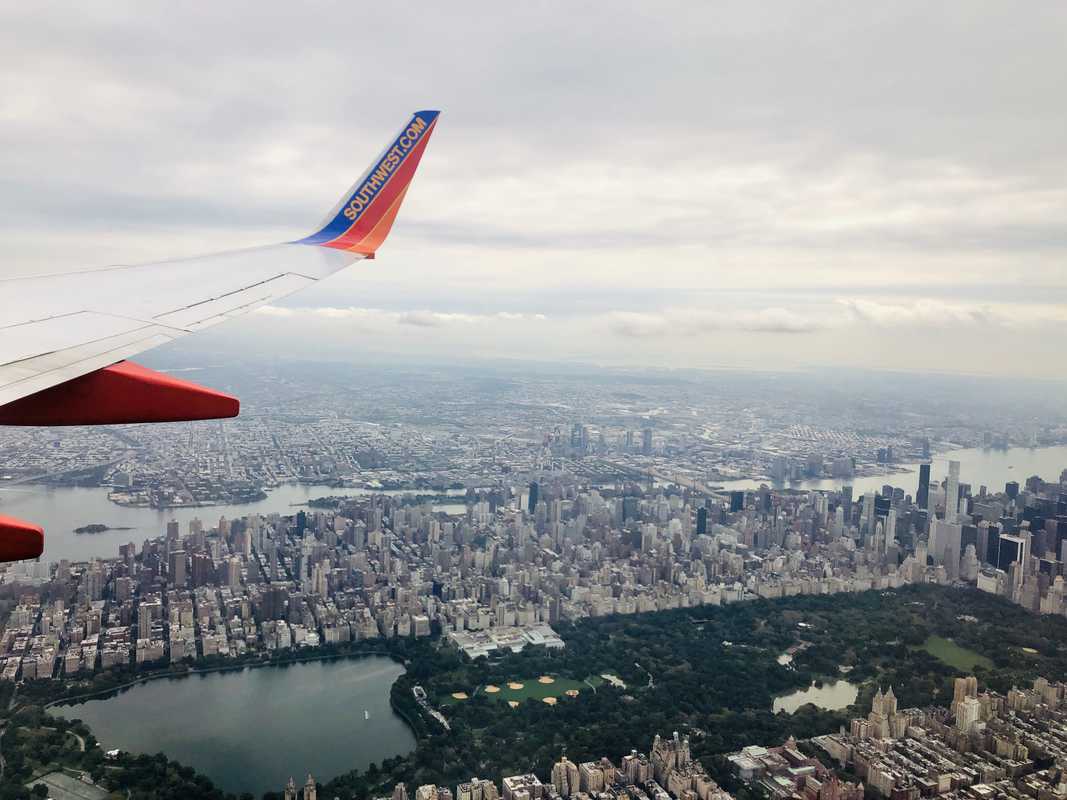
65	337
58	327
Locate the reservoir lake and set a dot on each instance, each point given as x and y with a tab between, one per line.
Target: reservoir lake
249	730
831	696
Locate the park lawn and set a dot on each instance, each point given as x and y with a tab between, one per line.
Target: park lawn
532	689
955	656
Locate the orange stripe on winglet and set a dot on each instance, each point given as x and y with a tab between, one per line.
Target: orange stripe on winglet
397	185
377	234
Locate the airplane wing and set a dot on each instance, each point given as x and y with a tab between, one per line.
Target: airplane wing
65	337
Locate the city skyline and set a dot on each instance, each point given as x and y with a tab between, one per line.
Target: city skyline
503	576
590	500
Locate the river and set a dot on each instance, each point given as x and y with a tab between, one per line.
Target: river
978	467
61	510
250	730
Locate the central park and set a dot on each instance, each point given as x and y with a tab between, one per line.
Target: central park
711	672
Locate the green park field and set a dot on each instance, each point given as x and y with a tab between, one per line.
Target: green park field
526	688
955	656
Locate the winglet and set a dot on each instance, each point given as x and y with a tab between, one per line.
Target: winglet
361	221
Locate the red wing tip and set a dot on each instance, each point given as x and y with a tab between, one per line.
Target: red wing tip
20	540
228	406
124	392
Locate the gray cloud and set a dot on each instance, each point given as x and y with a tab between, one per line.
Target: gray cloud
689	322
419	318
432	319
942	314
750	161
921	313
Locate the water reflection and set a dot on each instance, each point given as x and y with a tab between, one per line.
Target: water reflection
62	509
829	697
250	730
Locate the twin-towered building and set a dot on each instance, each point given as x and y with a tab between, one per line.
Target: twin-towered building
668	772
310	791
984	746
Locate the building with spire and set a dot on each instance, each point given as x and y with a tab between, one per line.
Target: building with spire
883	722
963	688
311	791
668	755
565	777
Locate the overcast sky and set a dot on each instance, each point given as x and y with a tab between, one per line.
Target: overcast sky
708	184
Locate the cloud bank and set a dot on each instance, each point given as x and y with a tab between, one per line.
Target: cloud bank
654	190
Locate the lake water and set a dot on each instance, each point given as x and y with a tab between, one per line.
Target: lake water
61	510
830	697
249	731
992	468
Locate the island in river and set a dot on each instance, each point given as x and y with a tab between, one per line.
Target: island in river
96	527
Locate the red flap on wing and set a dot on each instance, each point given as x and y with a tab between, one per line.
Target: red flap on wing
124	392
19	539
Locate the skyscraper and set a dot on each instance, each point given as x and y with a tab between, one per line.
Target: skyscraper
1012	549
992	552
922	494
176	568
646	441
702	520
202	569
565	777
945	546
890	529
535	493
779	469
579	438
952	491
144	623
867	524
846	503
